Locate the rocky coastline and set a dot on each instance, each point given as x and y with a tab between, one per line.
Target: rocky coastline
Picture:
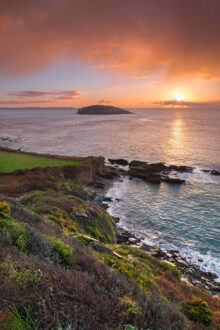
153	173
190	272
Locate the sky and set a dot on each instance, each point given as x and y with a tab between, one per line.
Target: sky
128	53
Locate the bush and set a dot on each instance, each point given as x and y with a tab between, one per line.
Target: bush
29	198
131	269
5	210
132	306
61	218
19	273
96	233
198	311
64	250
16	231
130	327
163	316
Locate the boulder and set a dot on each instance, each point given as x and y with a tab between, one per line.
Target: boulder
119	161
214	172
169	255
169	263
98	185
182	262
216	288
107	199
176	168
133	240
124	236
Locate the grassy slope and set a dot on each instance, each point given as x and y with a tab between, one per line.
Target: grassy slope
11	161
76	283
127	291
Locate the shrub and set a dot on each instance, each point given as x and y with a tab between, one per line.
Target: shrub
31	196
96	233
130	327
132	306
64	251
129	268
198	311
5	210
100	226
19	273
16	231
61	218
161	315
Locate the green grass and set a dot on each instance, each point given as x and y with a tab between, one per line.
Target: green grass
11	161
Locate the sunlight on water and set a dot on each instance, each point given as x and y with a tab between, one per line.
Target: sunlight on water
176	144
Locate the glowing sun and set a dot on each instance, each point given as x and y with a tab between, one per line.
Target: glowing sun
179	97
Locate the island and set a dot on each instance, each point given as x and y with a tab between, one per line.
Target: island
102	110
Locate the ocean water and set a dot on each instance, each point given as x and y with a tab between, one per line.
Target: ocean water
186	217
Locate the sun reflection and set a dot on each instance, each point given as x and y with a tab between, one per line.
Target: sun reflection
176	145
177	129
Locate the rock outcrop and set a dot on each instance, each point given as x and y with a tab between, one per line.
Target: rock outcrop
156	172
119	161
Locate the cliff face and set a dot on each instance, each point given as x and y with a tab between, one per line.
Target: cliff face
86	172
61	269
22	181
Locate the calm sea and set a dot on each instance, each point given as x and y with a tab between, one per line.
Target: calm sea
186	217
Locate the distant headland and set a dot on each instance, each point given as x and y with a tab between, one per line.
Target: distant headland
102	110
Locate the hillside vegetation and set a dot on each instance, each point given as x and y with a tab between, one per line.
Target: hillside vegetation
61	267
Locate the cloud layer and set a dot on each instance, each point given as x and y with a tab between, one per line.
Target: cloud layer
186	104
174	36
38	97
59	95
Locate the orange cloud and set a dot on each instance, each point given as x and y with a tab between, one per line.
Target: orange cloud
175	36
186	104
